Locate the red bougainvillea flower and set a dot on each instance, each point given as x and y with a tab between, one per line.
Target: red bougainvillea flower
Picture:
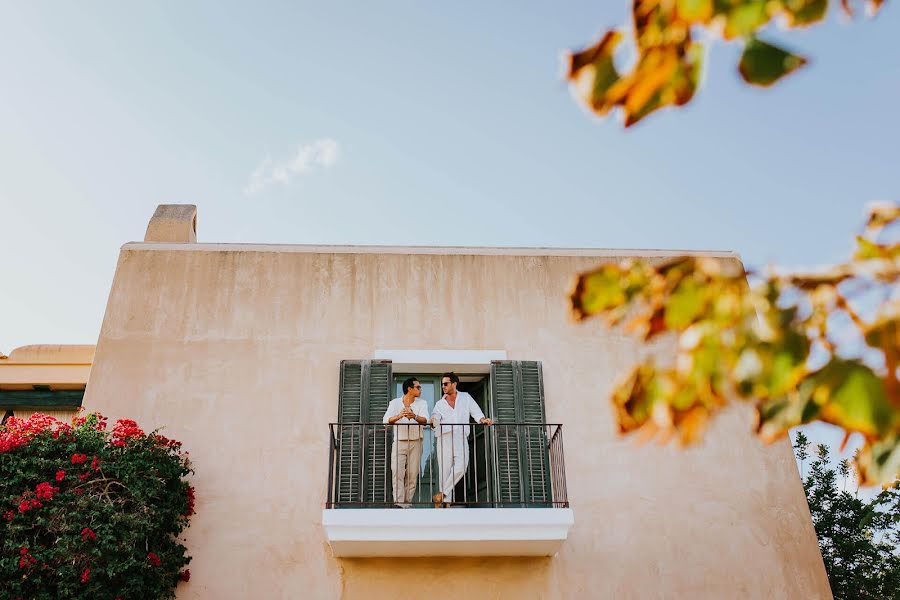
60	475
154	559
9	442
77	459
125	429
95	463
8	515
88	534
85	575
16	432
25	559
185	575
45	491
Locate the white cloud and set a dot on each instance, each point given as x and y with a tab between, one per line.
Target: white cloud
320	154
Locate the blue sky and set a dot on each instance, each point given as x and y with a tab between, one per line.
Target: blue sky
406	123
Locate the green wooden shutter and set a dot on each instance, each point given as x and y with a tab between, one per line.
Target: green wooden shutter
362	456
522	458
536	466
506	459
377	486
349	433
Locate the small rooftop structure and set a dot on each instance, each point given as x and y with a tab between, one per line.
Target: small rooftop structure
46	377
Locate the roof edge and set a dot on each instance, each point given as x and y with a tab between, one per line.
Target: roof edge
51	354
432	250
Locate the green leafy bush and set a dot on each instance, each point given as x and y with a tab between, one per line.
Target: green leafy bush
90	513
859	539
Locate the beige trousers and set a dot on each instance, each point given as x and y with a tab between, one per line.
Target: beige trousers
406	457
453	458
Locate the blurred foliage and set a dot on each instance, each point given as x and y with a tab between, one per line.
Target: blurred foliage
801	346
859	540
669	41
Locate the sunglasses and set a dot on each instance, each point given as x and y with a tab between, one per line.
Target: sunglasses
444	383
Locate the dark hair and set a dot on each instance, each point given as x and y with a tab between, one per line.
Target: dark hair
408	384
454	378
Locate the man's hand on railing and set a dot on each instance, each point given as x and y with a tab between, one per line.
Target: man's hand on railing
486	421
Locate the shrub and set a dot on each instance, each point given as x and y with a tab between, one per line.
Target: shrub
90	513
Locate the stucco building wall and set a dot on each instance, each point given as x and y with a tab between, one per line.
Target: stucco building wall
235	350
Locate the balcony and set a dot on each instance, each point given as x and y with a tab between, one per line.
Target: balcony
509	500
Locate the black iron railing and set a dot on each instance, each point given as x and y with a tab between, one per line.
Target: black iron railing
453	465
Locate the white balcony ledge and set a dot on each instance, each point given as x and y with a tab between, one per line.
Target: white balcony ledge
447	532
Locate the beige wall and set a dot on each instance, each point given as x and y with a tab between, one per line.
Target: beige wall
236	351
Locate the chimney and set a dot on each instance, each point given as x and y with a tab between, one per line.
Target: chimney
173	223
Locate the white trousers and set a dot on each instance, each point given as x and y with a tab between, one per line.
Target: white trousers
406	457
453	458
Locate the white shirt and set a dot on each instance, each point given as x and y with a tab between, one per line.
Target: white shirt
464	408
419	407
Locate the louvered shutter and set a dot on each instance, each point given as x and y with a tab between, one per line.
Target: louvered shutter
506	459
349	433
522	457
377	486
533	439
363	443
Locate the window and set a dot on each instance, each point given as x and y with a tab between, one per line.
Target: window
509	463
476	487
21	403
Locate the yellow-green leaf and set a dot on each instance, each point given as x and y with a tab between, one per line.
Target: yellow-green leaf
805	12
632	398
598	291
879	462
852	396
867	249
695	10
786	372
764	64
685	304
744	19
592	72
776	416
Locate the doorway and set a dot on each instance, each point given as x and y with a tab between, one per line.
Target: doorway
476	484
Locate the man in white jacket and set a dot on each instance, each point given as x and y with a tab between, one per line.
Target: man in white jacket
409	412
454	408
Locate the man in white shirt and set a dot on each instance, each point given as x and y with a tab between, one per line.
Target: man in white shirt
410	412
453	440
